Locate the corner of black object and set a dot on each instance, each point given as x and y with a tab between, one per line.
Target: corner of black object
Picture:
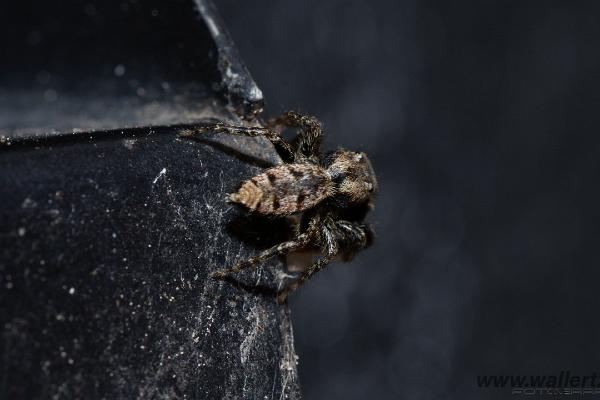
107	65
110	222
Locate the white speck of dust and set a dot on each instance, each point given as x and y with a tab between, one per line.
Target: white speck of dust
72	291
119	70
161	173
256	93
28	203
128	143
21	231
230	74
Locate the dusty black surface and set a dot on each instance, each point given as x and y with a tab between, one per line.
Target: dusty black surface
110	223
107	241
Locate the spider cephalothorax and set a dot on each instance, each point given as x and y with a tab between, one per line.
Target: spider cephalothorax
332	194
353	175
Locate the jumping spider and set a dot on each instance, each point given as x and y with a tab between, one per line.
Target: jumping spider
331	193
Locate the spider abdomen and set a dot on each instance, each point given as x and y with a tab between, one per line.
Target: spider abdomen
285	189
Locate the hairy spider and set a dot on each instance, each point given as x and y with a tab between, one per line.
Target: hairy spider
331	193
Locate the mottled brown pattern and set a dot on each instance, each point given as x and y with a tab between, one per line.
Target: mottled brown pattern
249	194
297	171
285	189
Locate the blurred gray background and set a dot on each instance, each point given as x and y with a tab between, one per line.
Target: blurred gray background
481	118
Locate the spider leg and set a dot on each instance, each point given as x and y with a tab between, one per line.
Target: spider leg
219	127
299	242
352	237
308	142
331	252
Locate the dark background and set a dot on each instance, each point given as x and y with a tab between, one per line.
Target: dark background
481	118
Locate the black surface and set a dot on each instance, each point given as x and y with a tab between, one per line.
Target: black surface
107	242
107	236
481	119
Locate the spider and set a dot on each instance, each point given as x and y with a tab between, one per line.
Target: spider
331	193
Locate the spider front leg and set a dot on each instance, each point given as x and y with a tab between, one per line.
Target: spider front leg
299	242
352	237
308	142
221	127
